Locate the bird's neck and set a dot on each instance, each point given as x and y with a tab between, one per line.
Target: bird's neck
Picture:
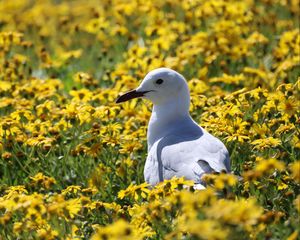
166	118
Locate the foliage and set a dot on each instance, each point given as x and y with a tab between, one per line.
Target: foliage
72	160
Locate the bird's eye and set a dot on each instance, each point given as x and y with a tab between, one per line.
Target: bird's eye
159	81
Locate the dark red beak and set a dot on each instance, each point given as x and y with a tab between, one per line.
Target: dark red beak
130	95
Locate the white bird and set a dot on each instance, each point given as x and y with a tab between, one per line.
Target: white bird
177	145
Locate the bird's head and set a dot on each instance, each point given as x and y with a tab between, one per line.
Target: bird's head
160	86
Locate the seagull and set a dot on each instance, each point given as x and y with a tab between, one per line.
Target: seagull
177	145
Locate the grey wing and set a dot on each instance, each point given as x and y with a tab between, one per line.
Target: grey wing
191	157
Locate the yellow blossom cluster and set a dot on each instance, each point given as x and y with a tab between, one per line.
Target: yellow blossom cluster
71	159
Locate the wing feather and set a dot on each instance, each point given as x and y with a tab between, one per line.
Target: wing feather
188	156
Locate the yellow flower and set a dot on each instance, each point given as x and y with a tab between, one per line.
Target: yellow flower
41	179
96	25
257	37
18	227
6	155
86	79
8	39
262	144
71	189
197	86
260	129
269	165
240	212
21	115
282	186
111	133
47	233
4	86
289	106
210	229
116	231
236	79
15	190
295	168
135	191
73	206
83	95
220	181
293	236
40	141
70	54
265	167
129	146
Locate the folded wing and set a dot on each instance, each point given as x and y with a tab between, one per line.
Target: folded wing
186	155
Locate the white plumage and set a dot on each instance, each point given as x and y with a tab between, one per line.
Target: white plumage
177	146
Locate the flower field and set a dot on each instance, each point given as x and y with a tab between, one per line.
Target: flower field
72	159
